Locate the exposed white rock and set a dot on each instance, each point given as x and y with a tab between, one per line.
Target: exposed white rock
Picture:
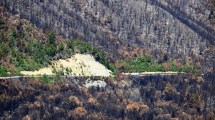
77	65
99	83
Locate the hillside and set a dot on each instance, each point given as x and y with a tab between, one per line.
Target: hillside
178	30
107	59
24	47
149	98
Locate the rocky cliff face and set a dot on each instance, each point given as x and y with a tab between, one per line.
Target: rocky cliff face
161	26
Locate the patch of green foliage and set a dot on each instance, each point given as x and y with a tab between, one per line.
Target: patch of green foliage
187	68
147	64
58	75
70	44
172	66
3	71
143	64
51	38
183	68
3	50
46	79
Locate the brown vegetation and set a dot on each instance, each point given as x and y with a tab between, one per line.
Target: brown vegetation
78	113
149	97
75	101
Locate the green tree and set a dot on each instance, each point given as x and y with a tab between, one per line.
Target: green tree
50	50
70	44
3	50
61	47
112	67
12	36
51	38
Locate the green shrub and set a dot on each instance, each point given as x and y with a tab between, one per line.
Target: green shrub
3	71
187	68
3	50
172	66
46	79
50	50
61	47
12	37
70	44
146	63
58	76
51	38
68	71
156	67
112	68
81	46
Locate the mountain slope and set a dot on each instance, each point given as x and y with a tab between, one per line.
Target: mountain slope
162	27
24	47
